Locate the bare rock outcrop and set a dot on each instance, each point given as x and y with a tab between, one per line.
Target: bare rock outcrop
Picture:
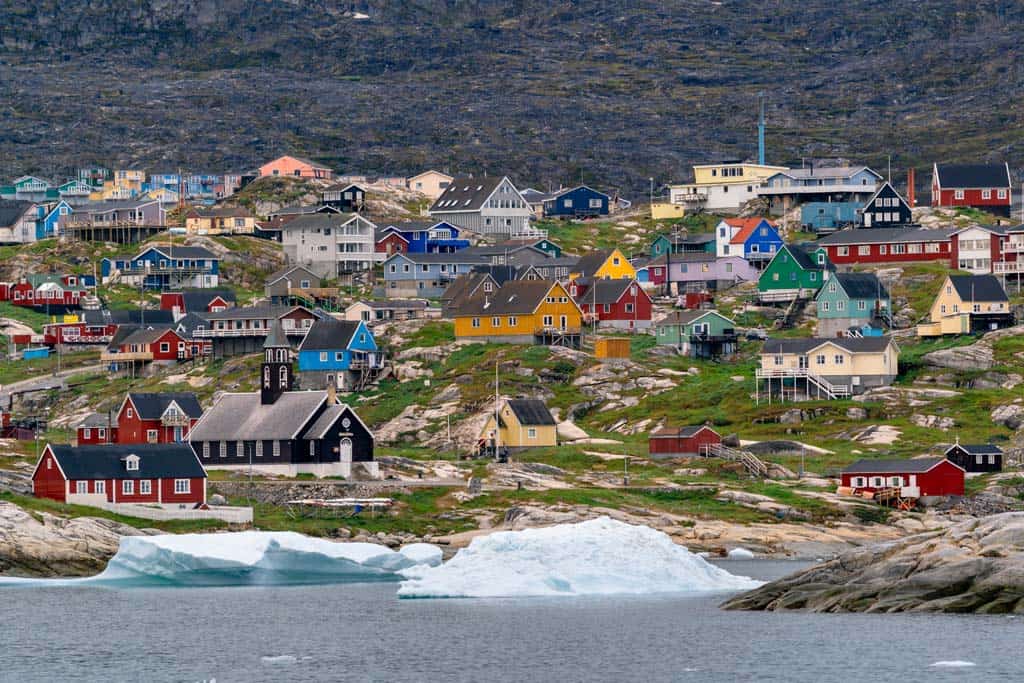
41	544
974	566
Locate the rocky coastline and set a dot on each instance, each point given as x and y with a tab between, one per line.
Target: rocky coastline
974	566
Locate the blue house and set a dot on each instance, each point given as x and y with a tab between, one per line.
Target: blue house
338	353
425	275
49	217
825	217
165	267
755	239
427	237
578	202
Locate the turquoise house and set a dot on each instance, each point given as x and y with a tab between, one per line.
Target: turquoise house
338	352
698	333
852	300
683	244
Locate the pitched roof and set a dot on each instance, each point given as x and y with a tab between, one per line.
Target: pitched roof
219	212
591	262
977	448
278	274
746	226
314	221
684	432
515	297
501	272
531	411
128	316
329	334
303	160
150	406
687	317
262	311
276	337
604	291
803	258
339	187
978	287
827	172
243	417
464	285
872	466
178	252
806	344
198	300
106	461
973	175
323	423
11	211
97	420
852	236
861	285
466	193
142	336
457	257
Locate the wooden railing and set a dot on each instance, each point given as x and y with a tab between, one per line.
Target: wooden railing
751	462
833	391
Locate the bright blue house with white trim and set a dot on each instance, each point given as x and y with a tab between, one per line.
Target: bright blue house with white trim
334	348
428	237
164	267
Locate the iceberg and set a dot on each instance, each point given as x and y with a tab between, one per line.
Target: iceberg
247	558
596	557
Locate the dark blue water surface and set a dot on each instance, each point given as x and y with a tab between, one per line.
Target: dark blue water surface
362	632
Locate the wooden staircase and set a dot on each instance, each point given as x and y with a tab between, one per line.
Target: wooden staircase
754	465
793	312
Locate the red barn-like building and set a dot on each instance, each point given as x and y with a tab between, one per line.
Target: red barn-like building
202	301
157	418
981	186
621	304
391	242
915	478
675	442
163	474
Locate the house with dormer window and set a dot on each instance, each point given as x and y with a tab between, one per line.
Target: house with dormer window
486	205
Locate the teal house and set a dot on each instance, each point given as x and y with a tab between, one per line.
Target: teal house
683	244
794	273
852	300
698	333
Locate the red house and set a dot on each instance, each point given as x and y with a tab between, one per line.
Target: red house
915	478
162	474
888	245
621	304
675	442
97	428
58	293
391	242
146	345
980	186
157	418
200	301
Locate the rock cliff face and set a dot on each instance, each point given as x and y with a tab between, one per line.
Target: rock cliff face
974	566
43	545
618	91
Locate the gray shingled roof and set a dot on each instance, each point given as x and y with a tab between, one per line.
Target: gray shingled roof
106	461
318	221
150	406
854	236
588	264
466	194
977	448
515	297
851	344
178	252
11	211
278	274
871	466
252	312
242	417
972	176
861	285
687	317
531	411
604	291
457	257
324	422
329	334
978	287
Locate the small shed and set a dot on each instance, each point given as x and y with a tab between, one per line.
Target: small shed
38	352
676	442
985	457
611	347
916	478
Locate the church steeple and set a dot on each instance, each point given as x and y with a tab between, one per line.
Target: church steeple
276	377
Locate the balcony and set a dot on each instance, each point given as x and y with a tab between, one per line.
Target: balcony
1003	267
126	356
246	332
167	270
1014	246
175	420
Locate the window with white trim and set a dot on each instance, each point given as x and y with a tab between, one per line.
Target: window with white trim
182	486
223	449
145	487
99	487
127	486
81	487
531	433
276	449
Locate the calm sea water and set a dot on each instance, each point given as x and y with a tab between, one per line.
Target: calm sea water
363	633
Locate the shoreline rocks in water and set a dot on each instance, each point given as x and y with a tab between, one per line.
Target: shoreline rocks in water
973	566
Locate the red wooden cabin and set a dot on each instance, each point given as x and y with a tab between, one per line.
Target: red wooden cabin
981	186
915	478
157	417
675	442
622	304
165	474
391	242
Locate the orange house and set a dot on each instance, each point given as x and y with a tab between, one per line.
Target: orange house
296	167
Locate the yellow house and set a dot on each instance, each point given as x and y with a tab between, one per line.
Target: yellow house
521	312
726	185
966	304
606	264
223	221
522	423
827	367
430	183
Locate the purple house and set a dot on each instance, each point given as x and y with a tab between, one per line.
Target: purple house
700	271
146	213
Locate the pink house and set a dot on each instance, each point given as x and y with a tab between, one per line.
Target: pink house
296	167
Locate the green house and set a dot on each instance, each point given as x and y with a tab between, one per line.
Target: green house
794	273
698	333
683	244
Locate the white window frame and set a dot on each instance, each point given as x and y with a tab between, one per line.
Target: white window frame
145	487
128	487
182	486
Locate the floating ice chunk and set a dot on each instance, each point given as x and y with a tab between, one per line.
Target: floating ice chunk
279	659
953	664
597	557
740	554
422	554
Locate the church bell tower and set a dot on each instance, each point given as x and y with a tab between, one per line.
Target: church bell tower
276	377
